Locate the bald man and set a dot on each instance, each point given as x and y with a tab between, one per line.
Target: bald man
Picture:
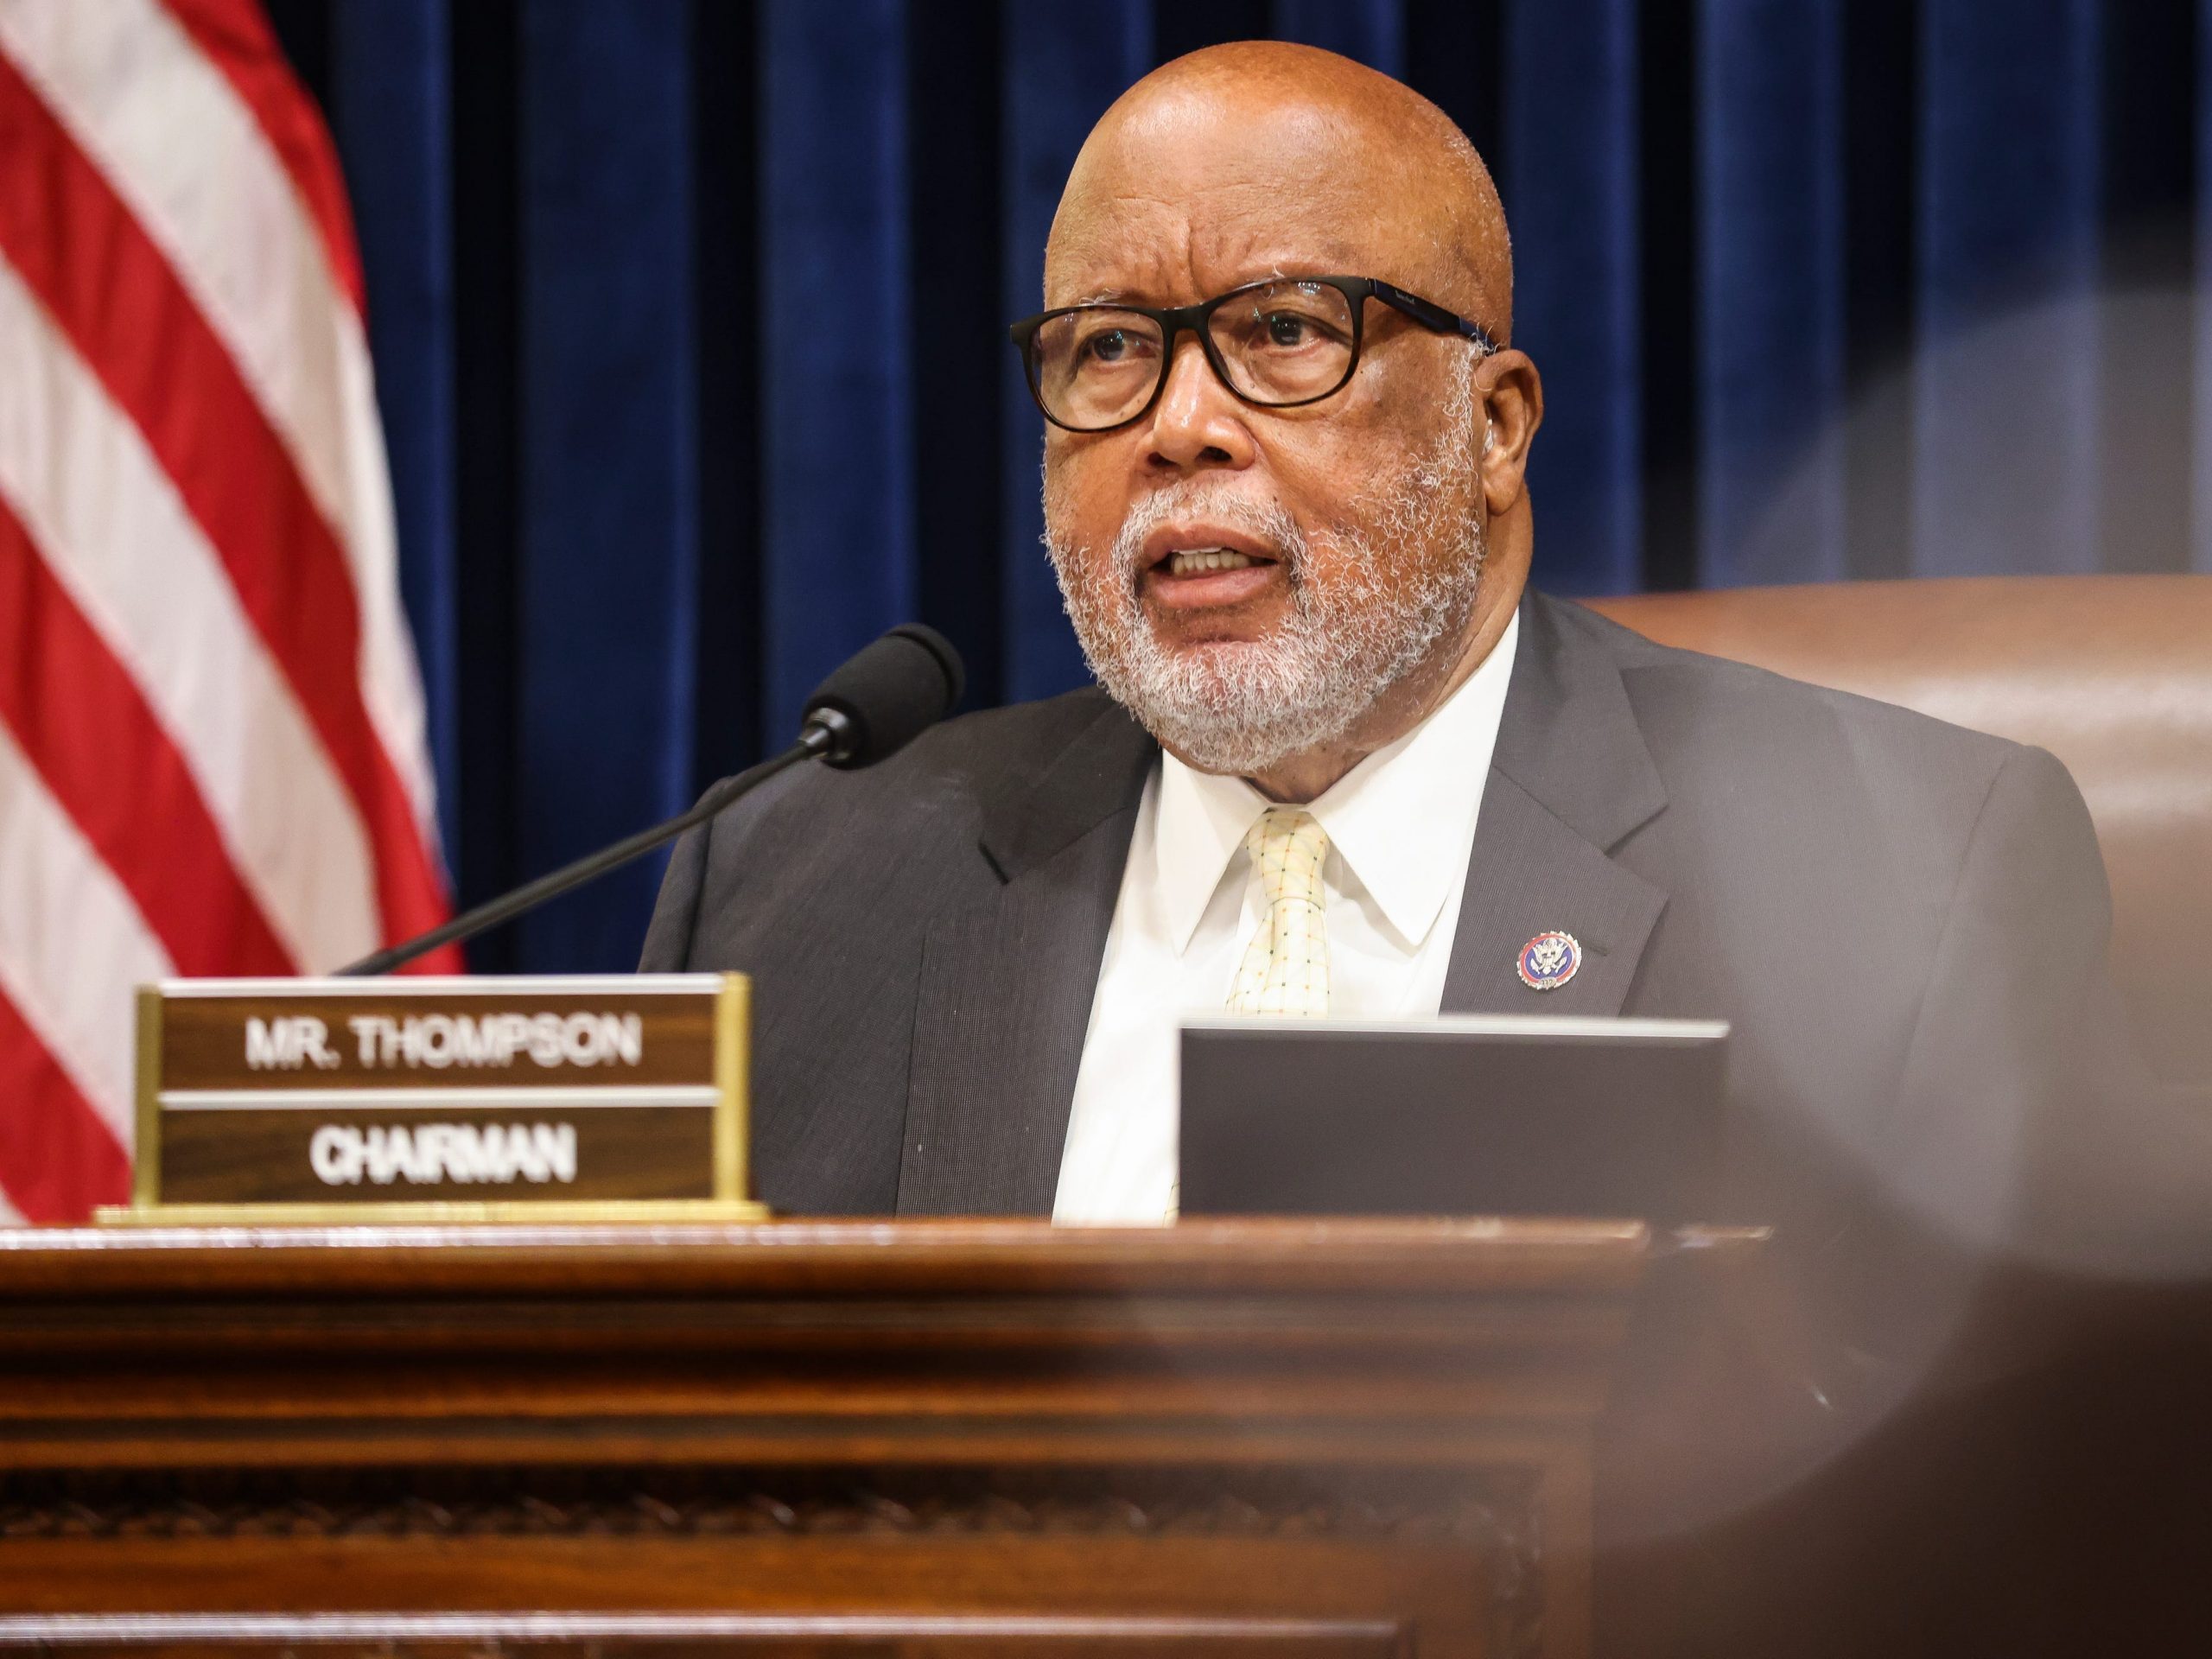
1341	761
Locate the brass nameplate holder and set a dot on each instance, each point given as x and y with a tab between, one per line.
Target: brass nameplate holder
438	1100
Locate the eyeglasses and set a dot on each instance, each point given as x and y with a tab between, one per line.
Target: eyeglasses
1275	344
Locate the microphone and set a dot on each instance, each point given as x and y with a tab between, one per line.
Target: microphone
871	707
883	697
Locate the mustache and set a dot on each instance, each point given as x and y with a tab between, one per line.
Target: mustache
1268	521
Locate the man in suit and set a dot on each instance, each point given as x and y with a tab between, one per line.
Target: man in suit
1296	542
1343	760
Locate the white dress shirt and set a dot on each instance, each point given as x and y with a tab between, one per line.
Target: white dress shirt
1400	827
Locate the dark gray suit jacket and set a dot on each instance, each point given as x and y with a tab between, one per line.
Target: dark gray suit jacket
1904	922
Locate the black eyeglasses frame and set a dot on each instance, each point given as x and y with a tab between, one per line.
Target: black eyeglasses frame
1173	320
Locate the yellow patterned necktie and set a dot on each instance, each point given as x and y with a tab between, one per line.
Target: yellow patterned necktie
1285	968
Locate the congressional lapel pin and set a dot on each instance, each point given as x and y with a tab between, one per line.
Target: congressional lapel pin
1548	961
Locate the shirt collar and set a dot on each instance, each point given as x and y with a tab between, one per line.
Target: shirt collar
1400	820
1203	821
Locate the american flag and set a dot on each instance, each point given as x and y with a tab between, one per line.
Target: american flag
212	758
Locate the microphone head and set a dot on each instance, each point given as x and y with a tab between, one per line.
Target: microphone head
886	694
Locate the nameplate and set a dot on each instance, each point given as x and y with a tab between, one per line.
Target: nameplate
442	1099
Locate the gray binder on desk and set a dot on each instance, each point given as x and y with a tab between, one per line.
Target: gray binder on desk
1462	1115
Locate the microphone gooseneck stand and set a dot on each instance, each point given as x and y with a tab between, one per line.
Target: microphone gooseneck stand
816	739
876	702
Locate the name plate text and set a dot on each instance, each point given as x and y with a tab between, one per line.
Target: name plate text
443	1098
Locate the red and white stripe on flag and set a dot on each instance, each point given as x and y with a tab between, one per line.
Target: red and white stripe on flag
212	755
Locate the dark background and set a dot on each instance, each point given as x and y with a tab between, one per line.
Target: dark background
688	319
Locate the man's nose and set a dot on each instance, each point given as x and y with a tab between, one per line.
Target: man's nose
1197	422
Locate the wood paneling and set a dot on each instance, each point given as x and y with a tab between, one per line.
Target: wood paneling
916	1636
1324	1438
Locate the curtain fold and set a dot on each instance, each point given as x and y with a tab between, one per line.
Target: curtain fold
1771	325
1571	133
2006	476
836	335
608	476
391	109
1064	65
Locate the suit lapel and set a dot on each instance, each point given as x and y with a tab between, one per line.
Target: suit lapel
1006	983
1531	874
1007	978
1569	778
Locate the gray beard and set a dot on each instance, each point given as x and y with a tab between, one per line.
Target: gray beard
1241	708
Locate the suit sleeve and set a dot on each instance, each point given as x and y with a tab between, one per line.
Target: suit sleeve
2028	1141
1910	1386
667	938
2015	985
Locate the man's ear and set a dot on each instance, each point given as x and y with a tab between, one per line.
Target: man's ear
1512	401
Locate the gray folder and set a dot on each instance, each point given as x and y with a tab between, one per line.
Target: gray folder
1512	1115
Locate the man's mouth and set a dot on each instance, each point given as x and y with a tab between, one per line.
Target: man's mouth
1201	560
1197	580
1204	565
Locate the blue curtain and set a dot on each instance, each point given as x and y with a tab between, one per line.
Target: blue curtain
688	326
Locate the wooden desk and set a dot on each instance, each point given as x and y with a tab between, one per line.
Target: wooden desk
1262	1437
